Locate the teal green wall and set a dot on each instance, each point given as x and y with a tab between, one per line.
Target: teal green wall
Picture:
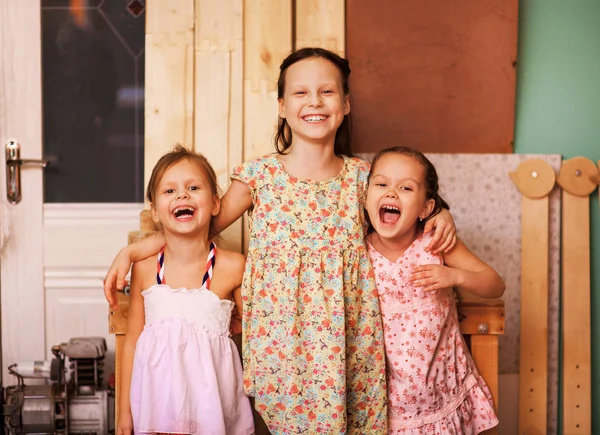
558	107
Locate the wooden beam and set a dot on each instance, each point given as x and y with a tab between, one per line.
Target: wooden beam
218	93
535	179
484	349
321	23
575	178
168	92
267	41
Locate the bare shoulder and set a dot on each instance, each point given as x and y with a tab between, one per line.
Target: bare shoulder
234	261
230	265
462	257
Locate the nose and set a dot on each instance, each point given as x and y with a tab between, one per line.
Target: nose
316	100
391	193
182	194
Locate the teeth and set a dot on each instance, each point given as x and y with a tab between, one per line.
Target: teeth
315	118
390	207
180	211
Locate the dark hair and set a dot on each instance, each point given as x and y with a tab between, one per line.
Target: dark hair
178	154
431	181
283	135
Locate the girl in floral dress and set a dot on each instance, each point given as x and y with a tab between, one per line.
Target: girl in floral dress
433	385
313	349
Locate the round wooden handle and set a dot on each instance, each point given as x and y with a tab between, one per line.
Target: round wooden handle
577	176
534	178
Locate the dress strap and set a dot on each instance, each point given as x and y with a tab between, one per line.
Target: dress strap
160	268
210	263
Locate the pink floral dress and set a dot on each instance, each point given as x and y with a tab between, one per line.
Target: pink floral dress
433	385
313	346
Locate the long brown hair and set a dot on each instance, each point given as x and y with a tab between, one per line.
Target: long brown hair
283	135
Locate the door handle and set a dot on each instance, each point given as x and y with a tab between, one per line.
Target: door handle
13	170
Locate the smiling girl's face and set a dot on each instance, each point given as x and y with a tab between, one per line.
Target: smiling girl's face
397	197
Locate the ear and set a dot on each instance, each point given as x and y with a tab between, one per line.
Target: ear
216	205
281	108
427	209
346	104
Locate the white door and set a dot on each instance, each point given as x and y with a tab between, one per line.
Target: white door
54	254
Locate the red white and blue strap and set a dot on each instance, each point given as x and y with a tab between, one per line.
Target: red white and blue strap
210	263
160	268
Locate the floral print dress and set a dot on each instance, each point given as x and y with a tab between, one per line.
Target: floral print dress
312	336
433	385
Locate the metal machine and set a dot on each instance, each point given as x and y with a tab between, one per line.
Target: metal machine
68	395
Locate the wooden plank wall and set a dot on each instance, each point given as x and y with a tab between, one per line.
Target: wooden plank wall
211	71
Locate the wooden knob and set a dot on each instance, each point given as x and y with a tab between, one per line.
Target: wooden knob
534	178
577	176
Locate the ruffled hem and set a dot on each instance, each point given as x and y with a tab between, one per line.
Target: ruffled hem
475	414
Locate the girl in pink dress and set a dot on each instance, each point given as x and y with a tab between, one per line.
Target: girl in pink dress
181	372
432	383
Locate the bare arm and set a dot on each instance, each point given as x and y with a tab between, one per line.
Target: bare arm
462	269
115	277
474	275
135	325
235	202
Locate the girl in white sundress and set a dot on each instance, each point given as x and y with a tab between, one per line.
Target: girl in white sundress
432	383
181	372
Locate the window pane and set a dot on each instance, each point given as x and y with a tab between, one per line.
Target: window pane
93	99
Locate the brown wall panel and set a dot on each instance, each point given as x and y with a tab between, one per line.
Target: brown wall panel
437	75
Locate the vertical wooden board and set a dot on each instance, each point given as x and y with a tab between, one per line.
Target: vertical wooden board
321	23
169	78
119	343
267	41
218	57
484	349
533	370
577	396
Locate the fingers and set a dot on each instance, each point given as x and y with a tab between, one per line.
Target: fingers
109	293
452	243
428	226
435	239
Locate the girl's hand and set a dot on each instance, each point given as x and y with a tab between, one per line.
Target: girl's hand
431	277
125	425
236	323
444	237
115	278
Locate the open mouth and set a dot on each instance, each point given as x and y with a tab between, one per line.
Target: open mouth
315	118
389	214
183	213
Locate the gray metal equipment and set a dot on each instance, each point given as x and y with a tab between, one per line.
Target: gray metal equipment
67	396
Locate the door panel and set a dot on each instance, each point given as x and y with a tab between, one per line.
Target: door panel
21	269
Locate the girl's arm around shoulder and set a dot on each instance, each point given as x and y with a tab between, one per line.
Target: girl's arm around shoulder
115	277
472	274
234	203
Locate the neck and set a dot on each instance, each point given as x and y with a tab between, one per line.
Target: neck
309	161
186	248
395	247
